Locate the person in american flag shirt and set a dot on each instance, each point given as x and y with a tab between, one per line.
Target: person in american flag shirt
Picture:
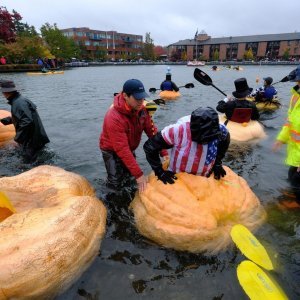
198	144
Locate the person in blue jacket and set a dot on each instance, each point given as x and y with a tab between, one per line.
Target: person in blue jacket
168	84
266	92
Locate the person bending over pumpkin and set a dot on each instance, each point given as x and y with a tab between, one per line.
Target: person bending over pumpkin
122	130
198	144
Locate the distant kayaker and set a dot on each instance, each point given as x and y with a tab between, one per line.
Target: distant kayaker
30	132
290	135
168	84
230	104
266	92
122	130
198	144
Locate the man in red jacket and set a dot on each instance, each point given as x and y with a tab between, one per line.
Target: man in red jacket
122	130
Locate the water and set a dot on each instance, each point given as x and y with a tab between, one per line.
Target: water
72	107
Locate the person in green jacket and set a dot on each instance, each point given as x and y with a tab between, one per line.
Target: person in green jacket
290	135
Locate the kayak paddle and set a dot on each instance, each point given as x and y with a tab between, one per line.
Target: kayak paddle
203	78
250	246
6	208
257	284
284	79
187	86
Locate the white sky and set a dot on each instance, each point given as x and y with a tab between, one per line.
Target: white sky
167	21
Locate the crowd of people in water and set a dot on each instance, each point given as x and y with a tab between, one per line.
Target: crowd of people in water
197	143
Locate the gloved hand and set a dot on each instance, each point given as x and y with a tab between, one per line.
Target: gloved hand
6	121
218	171
165	176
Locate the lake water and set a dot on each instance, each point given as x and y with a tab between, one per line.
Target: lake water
72	107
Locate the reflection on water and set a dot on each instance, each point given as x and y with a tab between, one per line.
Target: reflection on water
129	266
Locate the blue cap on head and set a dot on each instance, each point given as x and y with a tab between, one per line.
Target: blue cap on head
135	88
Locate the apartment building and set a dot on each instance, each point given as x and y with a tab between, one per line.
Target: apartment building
114	45
271	46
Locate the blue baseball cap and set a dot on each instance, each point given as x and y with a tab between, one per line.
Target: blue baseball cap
135	88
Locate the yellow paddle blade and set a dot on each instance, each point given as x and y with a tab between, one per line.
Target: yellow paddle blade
257	284
6	208
250	246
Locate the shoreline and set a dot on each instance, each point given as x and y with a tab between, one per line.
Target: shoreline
17	68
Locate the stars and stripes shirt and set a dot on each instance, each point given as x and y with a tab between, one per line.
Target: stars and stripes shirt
186	155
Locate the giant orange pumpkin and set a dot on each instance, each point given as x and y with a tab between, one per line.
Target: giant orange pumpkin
7	132
196	213
54	235
169	95
244	132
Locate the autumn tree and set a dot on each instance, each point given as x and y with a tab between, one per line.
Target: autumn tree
248	55
24	50
8	23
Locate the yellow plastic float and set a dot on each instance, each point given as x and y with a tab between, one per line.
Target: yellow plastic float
244	132
54	235
267	105
196	213
169	95
7	132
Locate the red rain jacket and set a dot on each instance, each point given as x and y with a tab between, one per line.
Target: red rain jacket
122	132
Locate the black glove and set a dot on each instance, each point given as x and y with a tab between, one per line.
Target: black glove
218	171
165	176
6	121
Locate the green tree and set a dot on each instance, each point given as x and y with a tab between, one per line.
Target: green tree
286	54
60	46
216	54
148	49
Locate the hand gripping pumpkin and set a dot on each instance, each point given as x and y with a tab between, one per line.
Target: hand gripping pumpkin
54	235
7	132
196	213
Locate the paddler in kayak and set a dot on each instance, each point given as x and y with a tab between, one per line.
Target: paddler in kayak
168	84
266	92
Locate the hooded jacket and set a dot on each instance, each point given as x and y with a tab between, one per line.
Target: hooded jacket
122	132
290	132
30	132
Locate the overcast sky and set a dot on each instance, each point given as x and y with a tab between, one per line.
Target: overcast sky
167	21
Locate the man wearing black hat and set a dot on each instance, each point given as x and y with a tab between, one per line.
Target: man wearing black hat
198	144
30	132
122	130
229	105
266	92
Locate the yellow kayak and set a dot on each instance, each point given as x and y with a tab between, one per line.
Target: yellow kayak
267	105
46	73
169	95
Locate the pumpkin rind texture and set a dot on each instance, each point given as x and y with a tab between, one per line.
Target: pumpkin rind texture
7	132
54	235
244	132
196	213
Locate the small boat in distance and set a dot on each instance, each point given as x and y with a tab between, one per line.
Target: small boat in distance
195	63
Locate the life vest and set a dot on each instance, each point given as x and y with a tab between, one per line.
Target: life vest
167	86
290	132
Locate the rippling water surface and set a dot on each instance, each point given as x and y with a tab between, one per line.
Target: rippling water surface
72	107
